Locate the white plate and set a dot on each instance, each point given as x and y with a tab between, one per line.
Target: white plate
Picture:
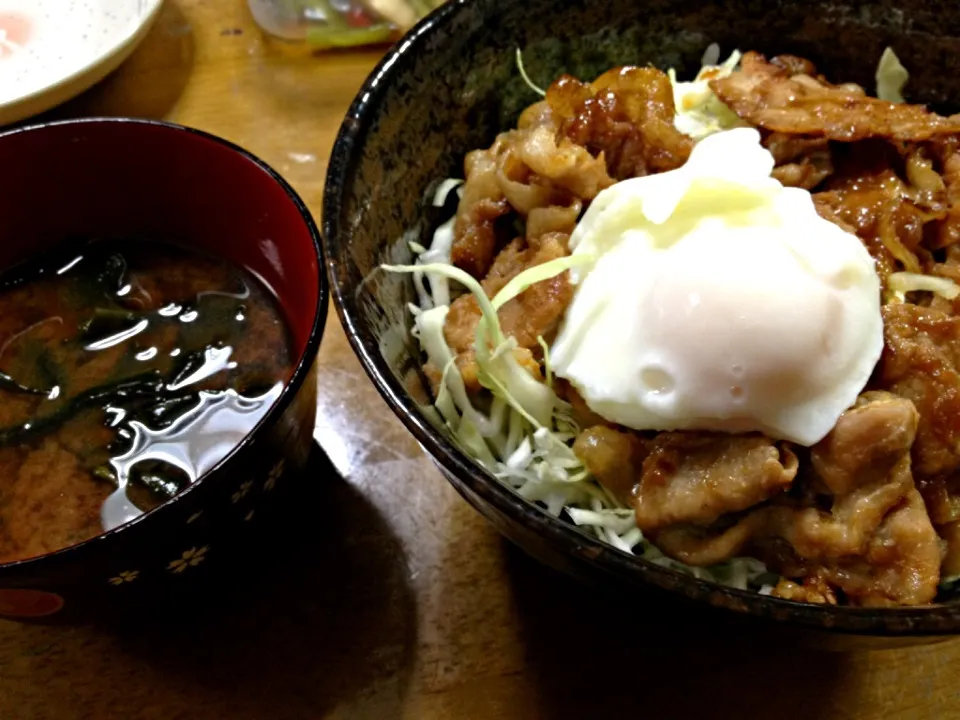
52	50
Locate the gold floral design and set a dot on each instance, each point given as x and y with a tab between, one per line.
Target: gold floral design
242	492
248	517
127	576
190	558
275	472
193	518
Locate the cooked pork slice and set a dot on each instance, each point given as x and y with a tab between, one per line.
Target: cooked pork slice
482	203
527	172
625	117
802	162
534	313
696	477
773	98
920	362
613	457
867	534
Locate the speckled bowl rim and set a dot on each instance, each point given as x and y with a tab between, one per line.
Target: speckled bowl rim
305	361
360	118
80	79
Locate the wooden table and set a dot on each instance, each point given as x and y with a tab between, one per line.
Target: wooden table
394	599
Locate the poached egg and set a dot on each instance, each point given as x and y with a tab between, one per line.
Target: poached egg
712	297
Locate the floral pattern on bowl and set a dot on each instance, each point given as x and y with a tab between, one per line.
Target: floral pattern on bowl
195	554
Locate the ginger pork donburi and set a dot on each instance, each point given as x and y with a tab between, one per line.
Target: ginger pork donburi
716	323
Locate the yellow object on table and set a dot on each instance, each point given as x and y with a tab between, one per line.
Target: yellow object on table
400	601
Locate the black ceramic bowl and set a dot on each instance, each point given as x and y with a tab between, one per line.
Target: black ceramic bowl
132	179
451	85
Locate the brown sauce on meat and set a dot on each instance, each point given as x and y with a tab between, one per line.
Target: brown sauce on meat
869	515
116	361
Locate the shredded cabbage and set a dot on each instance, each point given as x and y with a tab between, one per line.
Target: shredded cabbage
900	283
891	77
525	438
526	78
699	112
444	189
547	366
948	582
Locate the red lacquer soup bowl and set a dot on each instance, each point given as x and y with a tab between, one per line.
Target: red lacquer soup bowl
135	181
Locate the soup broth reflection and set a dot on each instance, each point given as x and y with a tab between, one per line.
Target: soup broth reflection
127	370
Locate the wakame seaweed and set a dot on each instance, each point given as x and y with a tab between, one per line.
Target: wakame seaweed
103	343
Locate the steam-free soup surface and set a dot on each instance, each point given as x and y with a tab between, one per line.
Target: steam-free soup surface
114	351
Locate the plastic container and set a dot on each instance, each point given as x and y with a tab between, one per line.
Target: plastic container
326	24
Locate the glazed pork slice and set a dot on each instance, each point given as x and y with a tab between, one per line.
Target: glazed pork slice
860	526
801	161
542	178
625	116
482	203
921	362
686	477
534	313
776	97
694	477
613	457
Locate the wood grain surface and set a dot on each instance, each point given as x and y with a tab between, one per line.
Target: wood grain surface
384	595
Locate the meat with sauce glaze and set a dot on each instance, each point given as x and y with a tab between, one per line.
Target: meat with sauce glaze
856	519
862	527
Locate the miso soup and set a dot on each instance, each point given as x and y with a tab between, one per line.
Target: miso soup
127	370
